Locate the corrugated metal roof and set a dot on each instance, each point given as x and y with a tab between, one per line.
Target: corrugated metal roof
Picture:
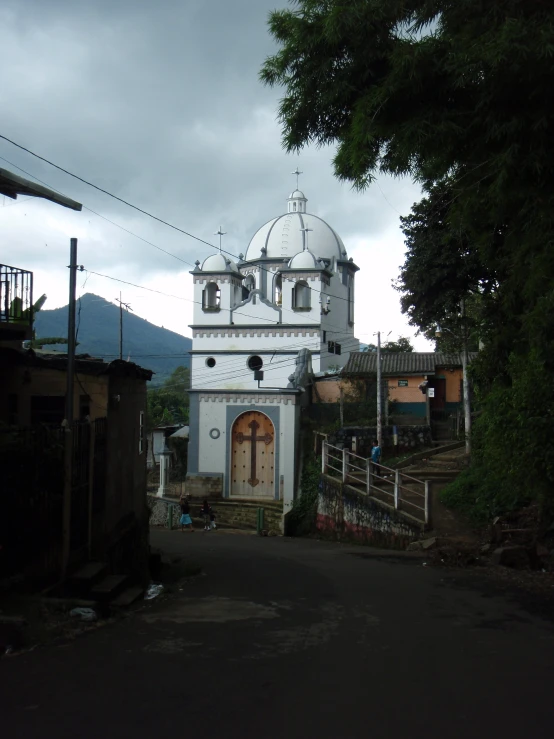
402	363
13	185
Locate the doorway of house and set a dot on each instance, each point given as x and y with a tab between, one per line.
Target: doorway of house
439	417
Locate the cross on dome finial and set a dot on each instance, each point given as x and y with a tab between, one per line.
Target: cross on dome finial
305	231
220	233
297	172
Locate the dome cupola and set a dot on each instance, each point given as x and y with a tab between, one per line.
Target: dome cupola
297	202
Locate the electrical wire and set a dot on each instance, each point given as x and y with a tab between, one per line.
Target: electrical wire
140	210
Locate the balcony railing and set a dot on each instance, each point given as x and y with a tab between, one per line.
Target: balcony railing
16	303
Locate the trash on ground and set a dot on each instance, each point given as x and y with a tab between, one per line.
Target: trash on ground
153	591
85	614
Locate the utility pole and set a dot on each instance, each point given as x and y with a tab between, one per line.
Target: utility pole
465	379
379	394
121	306
69	413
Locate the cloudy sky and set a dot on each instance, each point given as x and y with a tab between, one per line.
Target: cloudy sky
160	104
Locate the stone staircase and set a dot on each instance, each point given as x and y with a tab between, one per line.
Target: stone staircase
103	592
440	469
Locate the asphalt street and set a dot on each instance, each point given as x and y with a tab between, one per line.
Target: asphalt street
295	638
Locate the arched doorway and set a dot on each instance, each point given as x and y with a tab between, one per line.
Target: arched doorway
253	456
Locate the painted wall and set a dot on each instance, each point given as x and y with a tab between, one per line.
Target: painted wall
216	413
409	394
453	383
336	323
348	515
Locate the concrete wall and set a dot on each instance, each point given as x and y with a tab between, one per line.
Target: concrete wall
409	437
26	382
345	514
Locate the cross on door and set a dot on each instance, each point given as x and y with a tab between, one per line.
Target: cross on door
253	439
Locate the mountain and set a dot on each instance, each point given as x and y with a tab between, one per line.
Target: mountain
98	334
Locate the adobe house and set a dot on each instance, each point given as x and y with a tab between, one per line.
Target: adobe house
109	517
109	514
422	385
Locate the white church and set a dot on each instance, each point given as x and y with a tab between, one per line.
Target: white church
262	326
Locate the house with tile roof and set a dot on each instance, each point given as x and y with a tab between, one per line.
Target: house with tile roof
421	385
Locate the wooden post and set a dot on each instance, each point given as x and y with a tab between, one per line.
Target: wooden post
324	458
344	465
368	477
341	407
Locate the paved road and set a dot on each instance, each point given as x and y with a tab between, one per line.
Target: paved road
295	638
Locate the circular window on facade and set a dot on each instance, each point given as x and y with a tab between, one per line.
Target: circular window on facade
255	363
210	362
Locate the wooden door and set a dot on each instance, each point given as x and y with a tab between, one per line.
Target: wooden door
438	402
253	456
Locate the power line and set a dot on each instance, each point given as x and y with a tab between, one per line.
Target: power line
106	192
141	210
340	330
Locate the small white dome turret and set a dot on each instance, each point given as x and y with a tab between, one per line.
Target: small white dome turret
219	263
304	260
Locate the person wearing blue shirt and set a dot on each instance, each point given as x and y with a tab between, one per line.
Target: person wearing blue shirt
375	458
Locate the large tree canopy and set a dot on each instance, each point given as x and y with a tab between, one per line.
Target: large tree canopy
456	94
419	87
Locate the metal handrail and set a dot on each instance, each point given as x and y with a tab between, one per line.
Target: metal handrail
400	493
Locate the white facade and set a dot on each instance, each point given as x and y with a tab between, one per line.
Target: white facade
294	290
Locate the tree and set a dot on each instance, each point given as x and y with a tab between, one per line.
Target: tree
455	95
403	344
169	403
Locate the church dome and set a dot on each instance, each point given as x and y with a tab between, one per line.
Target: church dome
304	260
219	263
283	237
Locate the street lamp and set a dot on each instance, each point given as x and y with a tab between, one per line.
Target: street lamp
465	379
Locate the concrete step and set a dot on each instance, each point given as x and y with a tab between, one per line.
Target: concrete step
84	579
127	597
437	475
109	588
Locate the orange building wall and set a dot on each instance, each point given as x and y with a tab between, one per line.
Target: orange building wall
328	391
453	380
410	394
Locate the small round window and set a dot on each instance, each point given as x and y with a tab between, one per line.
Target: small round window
210	362
255	363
